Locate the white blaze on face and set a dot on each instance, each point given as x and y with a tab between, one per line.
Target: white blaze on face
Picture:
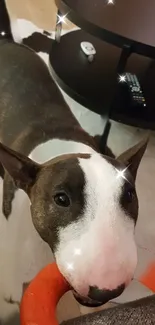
100	246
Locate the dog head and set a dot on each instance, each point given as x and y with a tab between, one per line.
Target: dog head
85	207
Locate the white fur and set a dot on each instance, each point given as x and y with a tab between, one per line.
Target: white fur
15	30
56	147
104	234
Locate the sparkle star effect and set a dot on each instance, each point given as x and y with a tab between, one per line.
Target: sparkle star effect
121	173
70	266
110	2
122	78
61	19
77	251
3	33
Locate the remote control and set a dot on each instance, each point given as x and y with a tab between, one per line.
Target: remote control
135	90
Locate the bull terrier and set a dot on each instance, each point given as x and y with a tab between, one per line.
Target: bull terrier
61	198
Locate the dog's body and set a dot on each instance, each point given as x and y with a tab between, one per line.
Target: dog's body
80	205
25	128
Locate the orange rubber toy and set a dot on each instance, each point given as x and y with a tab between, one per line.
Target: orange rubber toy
148	279
38	305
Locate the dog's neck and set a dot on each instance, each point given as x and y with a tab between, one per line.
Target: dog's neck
64	139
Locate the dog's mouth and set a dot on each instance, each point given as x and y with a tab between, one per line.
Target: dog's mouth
86	301
97	297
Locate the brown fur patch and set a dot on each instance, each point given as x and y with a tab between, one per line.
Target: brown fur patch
64	175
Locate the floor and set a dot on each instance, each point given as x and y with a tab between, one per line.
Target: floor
120	138
41	13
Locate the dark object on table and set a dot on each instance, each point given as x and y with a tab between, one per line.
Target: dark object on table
130	98
140	312
132	91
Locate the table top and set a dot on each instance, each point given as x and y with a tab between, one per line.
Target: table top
90	84
124	22
94	85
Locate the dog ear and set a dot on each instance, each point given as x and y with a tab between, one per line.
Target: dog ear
132	157
22	169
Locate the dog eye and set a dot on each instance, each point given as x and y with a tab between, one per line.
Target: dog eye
129	195
62	200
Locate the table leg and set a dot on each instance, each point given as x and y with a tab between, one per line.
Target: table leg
102	139
126	52
58	27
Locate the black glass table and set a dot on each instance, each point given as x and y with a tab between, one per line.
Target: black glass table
123	35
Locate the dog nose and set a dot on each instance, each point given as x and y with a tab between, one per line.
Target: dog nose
105	295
